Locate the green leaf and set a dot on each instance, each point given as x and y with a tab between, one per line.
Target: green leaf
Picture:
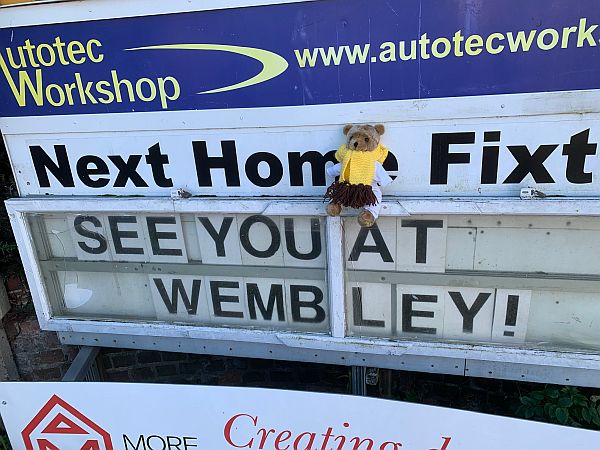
529	412
585	413
4	443
539	411
580	400
520	412
552	393
528	401
537	395
562	415
565	402
552	413
547	408
576	413
570	390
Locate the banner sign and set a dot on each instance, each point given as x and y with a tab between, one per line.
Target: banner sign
310	53
77	416
555	154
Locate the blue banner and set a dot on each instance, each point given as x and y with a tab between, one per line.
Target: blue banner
320	52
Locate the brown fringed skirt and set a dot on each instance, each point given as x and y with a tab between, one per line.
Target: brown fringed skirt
351	195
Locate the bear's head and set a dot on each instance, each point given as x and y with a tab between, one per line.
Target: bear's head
363	137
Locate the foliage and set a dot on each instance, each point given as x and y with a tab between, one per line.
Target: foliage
4	443
10	262
564	406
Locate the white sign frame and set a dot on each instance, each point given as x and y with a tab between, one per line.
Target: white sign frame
319	122
493	360
490	360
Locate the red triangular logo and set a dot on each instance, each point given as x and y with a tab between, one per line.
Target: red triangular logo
91	445
45	445
63	425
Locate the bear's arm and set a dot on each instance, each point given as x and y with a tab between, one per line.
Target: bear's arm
381	176
334	171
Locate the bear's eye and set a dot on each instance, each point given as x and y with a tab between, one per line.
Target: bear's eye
366	139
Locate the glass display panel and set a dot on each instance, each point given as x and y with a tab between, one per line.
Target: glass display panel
520	281
236	270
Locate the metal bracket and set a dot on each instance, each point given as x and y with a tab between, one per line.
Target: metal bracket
83	367
358	378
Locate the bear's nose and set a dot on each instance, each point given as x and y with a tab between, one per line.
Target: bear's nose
355	144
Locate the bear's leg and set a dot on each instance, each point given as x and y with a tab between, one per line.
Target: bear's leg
333	209
366	218
369	214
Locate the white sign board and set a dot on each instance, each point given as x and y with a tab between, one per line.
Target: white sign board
432	158
221	268
100	416
437	278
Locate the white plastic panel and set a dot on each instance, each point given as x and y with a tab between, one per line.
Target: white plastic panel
461	248
541	250
569	319
371	311
118	296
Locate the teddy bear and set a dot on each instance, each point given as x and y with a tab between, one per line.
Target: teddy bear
361	173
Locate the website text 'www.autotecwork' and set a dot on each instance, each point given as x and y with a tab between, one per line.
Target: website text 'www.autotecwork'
458	45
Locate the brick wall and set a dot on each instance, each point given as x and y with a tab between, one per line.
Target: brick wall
39	356
474	394
166	367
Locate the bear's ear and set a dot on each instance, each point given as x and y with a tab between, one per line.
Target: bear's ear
380	129
347	128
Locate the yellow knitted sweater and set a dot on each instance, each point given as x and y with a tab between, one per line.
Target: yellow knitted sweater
358	167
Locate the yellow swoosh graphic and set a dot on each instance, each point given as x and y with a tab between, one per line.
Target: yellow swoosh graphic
273	64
